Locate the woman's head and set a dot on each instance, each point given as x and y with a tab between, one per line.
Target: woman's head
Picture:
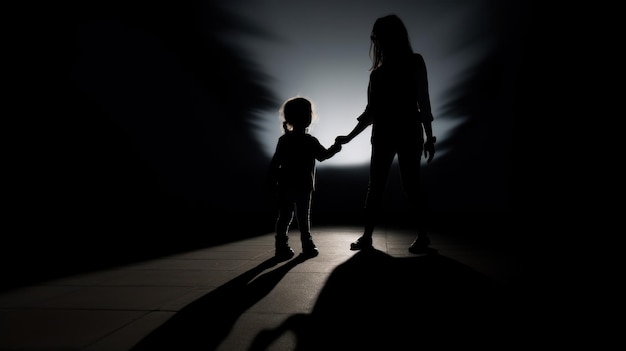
297	113
389	39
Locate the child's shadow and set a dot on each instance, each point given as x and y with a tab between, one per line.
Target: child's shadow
376	301
204	323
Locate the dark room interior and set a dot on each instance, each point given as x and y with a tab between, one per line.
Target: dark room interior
142	130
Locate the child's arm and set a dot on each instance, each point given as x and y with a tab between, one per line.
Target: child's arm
330	152
274	169
334	149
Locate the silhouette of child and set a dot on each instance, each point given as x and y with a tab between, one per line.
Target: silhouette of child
292	174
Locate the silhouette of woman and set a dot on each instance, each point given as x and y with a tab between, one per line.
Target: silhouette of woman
398	108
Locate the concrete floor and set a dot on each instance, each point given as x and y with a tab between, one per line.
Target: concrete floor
235	296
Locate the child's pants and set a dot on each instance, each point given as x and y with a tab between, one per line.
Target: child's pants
290	204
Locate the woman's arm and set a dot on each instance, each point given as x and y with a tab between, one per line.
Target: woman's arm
423	102
360	126
423	95
429	144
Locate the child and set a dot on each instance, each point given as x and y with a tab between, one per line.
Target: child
292	174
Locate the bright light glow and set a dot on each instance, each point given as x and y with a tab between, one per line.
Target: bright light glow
322	54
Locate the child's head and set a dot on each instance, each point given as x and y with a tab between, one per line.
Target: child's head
297	113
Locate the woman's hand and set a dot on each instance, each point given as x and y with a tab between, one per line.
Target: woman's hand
429	149
342	139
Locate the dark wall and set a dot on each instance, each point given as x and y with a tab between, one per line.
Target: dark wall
129	135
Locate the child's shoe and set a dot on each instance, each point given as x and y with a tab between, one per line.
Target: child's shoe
283	250
308	247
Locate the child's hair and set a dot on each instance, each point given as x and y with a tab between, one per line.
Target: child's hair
297	113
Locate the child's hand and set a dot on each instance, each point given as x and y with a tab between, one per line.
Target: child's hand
336	147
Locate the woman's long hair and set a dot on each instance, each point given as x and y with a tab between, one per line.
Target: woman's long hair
389	40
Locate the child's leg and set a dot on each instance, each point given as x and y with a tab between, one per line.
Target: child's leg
285	216
303	216
283	222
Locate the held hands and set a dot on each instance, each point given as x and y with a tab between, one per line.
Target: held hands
429	146
342	139
335	148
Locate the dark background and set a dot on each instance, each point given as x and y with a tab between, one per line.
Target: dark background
81	192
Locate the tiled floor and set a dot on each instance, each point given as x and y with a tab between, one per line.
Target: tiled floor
236	297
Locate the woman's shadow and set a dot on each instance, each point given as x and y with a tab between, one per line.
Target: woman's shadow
205	323
376	301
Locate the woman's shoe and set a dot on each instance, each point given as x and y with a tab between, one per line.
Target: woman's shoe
420	246
364	242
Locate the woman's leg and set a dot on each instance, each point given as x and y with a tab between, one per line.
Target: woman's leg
409	162
410	173
380	163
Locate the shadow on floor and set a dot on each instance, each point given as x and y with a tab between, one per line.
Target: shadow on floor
375	301
204	323
88	243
